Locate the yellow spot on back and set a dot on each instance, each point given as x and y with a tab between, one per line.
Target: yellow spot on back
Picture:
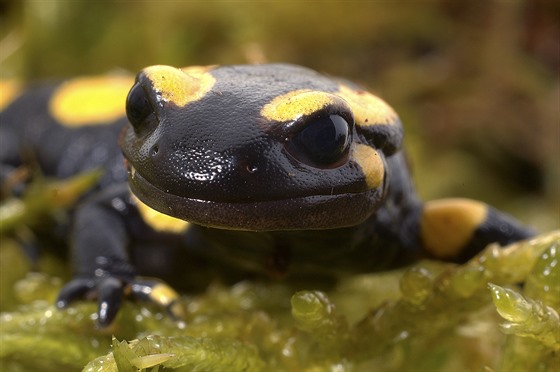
90	100
368	109
371	163
293	105
159	221
9	91
180	86
447	225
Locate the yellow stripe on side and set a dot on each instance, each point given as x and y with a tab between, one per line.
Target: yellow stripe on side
9	91
90	100
368	109
371	164
180	86
447	225
293	105
159	221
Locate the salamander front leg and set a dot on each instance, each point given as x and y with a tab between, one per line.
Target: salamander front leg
101	239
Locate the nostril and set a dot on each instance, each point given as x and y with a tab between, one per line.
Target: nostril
252	168
154	150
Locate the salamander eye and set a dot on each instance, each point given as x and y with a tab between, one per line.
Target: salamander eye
138	108
322	143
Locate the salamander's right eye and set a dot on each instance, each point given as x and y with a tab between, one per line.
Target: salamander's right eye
323	142
138	109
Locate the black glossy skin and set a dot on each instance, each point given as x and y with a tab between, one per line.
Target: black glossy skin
29	135
253	200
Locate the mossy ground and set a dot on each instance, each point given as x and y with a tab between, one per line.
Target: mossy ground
429	317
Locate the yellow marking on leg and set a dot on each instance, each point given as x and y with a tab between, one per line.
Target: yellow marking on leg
371	164
180	86
9	91
368	109
293	105
163	294
90	100
159	221
166	296
447	225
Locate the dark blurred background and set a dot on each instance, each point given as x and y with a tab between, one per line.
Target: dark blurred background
476	83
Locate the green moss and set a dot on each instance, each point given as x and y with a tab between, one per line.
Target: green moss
187	353
446	318
13	266
44	198
532	320
526	317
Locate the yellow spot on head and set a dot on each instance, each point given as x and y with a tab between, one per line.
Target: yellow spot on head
371	163
198	70
180	86
293	105
447	225
91	100
159	221
9	90
368	109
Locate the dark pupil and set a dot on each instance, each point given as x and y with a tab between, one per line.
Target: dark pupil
324	140
137	106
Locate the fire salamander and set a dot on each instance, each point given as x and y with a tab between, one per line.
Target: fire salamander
275	169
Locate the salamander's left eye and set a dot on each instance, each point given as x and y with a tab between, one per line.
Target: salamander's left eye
322	143
138	108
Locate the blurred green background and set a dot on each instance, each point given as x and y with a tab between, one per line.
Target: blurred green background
476	83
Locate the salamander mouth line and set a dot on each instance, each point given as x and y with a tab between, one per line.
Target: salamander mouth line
135	175
315	212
